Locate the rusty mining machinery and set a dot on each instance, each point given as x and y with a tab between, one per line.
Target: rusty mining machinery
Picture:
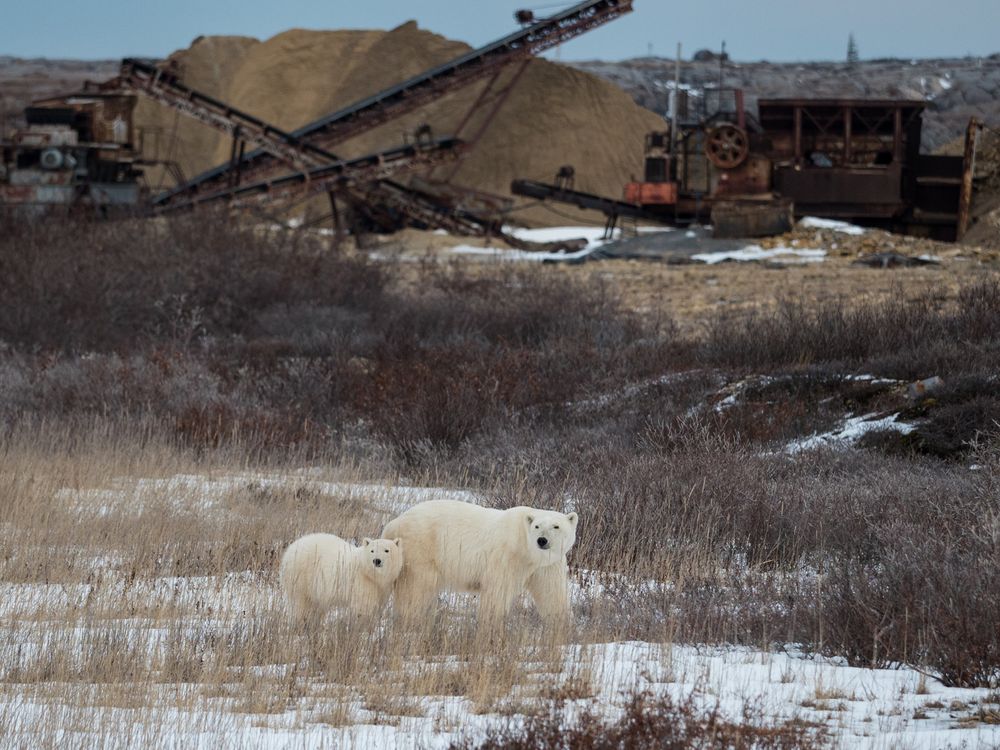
751	174
255	177
384	202
79	151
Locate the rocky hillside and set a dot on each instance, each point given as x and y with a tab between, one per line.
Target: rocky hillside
955	89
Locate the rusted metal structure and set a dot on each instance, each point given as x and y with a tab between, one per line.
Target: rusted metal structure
76	153
249	177
332	178
488	61
968	172
860	160
164	86
853	159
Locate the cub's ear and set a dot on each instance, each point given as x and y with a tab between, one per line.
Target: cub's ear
396	541
365	542
573	517
530	519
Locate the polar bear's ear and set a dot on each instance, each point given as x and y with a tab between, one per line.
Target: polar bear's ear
396	541
530	519
572	518
365	542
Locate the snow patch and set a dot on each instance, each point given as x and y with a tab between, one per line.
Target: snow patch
815	222
594	237
506	253
755	252
852	430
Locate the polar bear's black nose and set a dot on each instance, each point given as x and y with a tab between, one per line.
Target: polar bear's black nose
543	542
378	563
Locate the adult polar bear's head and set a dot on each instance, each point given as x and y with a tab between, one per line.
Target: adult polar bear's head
550	535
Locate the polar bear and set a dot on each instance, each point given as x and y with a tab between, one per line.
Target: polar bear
320	571
456	546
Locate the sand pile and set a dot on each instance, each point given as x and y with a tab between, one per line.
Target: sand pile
555	116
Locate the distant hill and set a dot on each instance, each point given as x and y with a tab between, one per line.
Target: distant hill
955	89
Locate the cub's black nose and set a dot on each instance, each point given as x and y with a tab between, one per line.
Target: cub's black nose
543	542
378	563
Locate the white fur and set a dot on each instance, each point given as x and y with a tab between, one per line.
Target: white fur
320	571
456	546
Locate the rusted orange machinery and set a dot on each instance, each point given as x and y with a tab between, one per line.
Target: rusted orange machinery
857	160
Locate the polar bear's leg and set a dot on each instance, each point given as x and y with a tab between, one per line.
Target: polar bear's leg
297	584
414	595
364	605
549	589
495	601
306	614
298	607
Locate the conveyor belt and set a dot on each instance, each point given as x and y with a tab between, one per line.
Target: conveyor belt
331	177
413	93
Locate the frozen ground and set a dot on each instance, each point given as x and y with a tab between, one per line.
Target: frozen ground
863	708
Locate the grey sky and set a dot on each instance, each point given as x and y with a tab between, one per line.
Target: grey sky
753	29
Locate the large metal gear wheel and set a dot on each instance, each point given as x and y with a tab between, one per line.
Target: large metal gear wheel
727	146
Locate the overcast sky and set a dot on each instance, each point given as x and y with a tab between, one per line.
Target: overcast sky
752	29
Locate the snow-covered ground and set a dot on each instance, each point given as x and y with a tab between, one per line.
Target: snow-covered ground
862	708
183	490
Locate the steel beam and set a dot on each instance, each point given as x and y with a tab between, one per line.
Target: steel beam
147	79
331	178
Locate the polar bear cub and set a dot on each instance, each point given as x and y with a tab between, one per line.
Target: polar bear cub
320	571
498	554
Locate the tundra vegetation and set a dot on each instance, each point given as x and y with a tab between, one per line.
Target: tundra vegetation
181	399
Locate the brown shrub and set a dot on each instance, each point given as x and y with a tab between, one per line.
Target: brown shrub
895	337
118	286
648	722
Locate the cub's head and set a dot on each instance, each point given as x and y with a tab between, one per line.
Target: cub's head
550	534
384	558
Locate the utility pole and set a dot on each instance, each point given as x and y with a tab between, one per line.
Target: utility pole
722	68
675	101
